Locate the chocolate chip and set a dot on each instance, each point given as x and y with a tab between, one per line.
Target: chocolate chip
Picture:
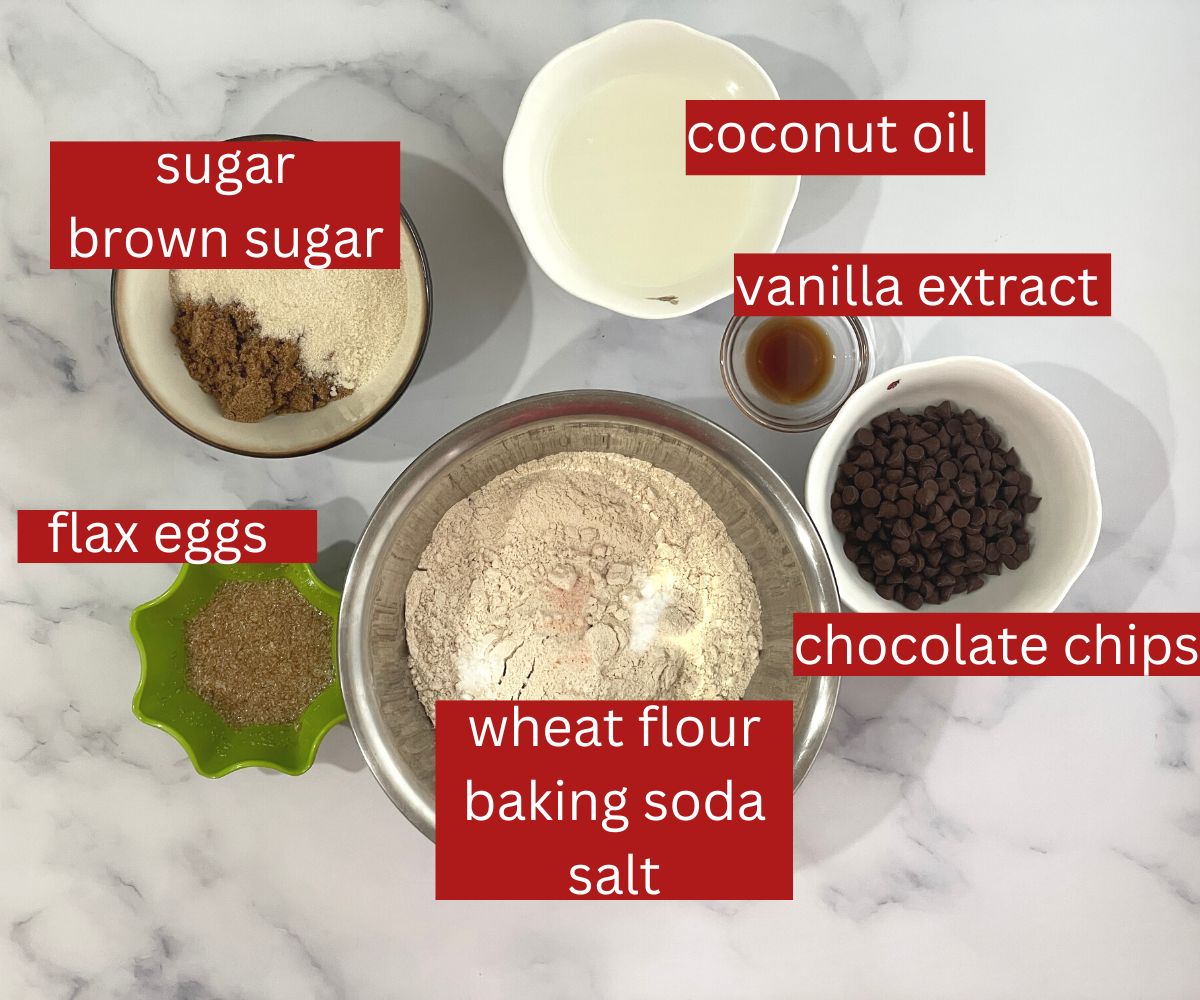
931	503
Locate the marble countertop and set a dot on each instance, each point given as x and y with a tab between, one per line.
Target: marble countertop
983	838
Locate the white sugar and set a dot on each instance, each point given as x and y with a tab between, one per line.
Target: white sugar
347	321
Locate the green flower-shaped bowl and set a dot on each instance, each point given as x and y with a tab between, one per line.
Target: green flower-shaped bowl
163	698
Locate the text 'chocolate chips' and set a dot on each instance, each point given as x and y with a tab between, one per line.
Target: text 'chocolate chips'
931	504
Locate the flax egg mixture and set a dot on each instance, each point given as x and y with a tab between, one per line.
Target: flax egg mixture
259	653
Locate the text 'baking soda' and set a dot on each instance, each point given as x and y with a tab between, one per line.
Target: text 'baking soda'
614	799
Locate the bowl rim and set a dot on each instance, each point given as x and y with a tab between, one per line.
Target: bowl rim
565	277
337	439
310	753
392	772
835	435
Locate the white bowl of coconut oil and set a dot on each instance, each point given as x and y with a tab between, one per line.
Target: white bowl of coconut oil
595	177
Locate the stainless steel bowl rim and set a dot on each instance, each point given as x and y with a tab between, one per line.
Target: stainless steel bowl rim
392	772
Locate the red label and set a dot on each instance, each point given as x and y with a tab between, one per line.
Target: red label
835	137
606	800
248	204
991	645
166	536
922	284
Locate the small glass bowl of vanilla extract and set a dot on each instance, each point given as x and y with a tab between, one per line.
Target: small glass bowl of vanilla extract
793	373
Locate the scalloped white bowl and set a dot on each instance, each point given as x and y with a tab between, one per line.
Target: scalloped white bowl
717	68
1054	450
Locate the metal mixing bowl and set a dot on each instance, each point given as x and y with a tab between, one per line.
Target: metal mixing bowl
763	517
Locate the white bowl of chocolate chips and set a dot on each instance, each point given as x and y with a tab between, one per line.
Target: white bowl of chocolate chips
955	485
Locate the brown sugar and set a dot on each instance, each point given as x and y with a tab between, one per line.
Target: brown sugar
249	375
258	652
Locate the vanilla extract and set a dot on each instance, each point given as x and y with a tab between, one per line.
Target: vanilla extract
861	287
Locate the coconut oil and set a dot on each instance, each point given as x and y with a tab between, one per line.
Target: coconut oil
621	198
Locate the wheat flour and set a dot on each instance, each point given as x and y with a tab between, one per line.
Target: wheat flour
582	575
